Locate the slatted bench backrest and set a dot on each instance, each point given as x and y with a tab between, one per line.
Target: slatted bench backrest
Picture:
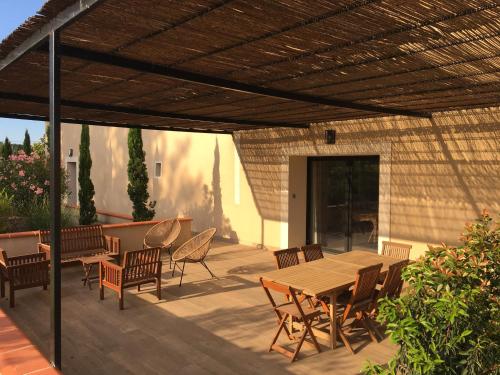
78	240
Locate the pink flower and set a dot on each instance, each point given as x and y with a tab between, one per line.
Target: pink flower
46	183
21	173
13	185
39	191
32	187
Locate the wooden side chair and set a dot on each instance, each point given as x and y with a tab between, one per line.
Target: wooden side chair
287	257
164	234
312	252
138	267
194	251
292	310
396	250
359	302
23	272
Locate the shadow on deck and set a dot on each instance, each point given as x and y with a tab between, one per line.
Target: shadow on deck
220	326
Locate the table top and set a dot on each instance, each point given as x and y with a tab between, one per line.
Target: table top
95	259
328	275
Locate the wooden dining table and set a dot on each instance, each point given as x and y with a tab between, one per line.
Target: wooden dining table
329	277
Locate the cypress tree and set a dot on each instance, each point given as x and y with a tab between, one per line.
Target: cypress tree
86	191
27	143
138	178
6	149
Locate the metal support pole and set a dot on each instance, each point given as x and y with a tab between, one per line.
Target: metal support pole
55	197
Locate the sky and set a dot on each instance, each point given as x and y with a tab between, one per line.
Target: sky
12	14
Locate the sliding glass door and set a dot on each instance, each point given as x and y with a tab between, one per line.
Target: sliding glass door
342	212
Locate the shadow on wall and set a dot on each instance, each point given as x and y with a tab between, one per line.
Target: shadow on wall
209	212
443	172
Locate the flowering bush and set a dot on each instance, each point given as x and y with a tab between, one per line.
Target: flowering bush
25	178
449	321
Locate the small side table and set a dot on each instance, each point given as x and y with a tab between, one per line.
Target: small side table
88	263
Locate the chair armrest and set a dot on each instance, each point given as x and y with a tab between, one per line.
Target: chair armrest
110	273
34	273
44	248
112	244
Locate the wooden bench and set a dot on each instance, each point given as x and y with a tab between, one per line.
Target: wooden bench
81	241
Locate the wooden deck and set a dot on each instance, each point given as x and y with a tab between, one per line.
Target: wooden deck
207	326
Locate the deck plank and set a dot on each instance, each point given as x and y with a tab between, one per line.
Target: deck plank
219	326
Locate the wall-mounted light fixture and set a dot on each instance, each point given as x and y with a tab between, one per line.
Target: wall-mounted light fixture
70	152
330	136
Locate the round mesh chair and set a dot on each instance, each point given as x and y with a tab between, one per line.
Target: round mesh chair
164	234
194	251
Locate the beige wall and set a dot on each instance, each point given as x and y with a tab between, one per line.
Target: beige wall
435	174
189	178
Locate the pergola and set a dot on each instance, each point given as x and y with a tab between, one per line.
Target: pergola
221	66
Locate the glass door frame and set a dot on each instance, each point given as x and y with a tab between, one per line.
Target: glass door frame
309	199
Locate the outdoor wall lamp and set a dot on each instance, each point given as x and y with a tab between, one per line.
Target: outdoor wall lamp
70	152
330	136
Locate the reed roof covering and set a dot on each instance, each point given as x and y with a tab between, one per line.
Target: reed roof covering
401	55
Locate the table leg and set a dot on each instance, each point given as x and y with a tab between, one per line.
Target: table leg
88	276
333	325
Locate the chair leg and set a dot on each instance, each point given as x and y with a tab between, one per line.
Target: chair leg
277	334
12	301
101	292
120	297
182	272
139	288
158	287
367	325
2	285
169	250
344	339
299	345
311	333
208	269
173	269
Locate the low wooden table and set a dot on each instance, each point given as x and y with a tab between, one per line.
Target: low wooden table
88	263
329	277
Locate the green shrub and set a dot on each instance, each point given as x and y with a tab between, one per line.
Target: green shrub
39	217
449	321
137	188
86	192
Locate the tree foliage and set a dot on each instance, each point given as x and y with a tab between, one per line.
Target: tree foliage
138	179
27	143
449	321
6	148
86	191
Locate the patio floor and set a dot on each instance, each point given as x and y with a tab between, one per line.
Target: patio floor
220	326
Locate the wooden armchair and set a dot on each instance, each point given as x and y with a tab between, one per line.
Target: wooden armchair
23	272
138	267
164	234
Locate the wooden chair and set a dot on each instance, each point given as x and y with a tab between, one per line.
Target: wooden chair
358	303
138	267
164	234
312	252
287	257
292	310
391	286
396	250
23	272
194	251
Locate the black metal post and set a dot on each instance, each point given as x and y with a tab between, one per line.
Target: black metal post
55	197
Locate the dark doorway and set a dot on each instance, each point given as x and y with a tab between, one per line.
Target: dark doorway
342	203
